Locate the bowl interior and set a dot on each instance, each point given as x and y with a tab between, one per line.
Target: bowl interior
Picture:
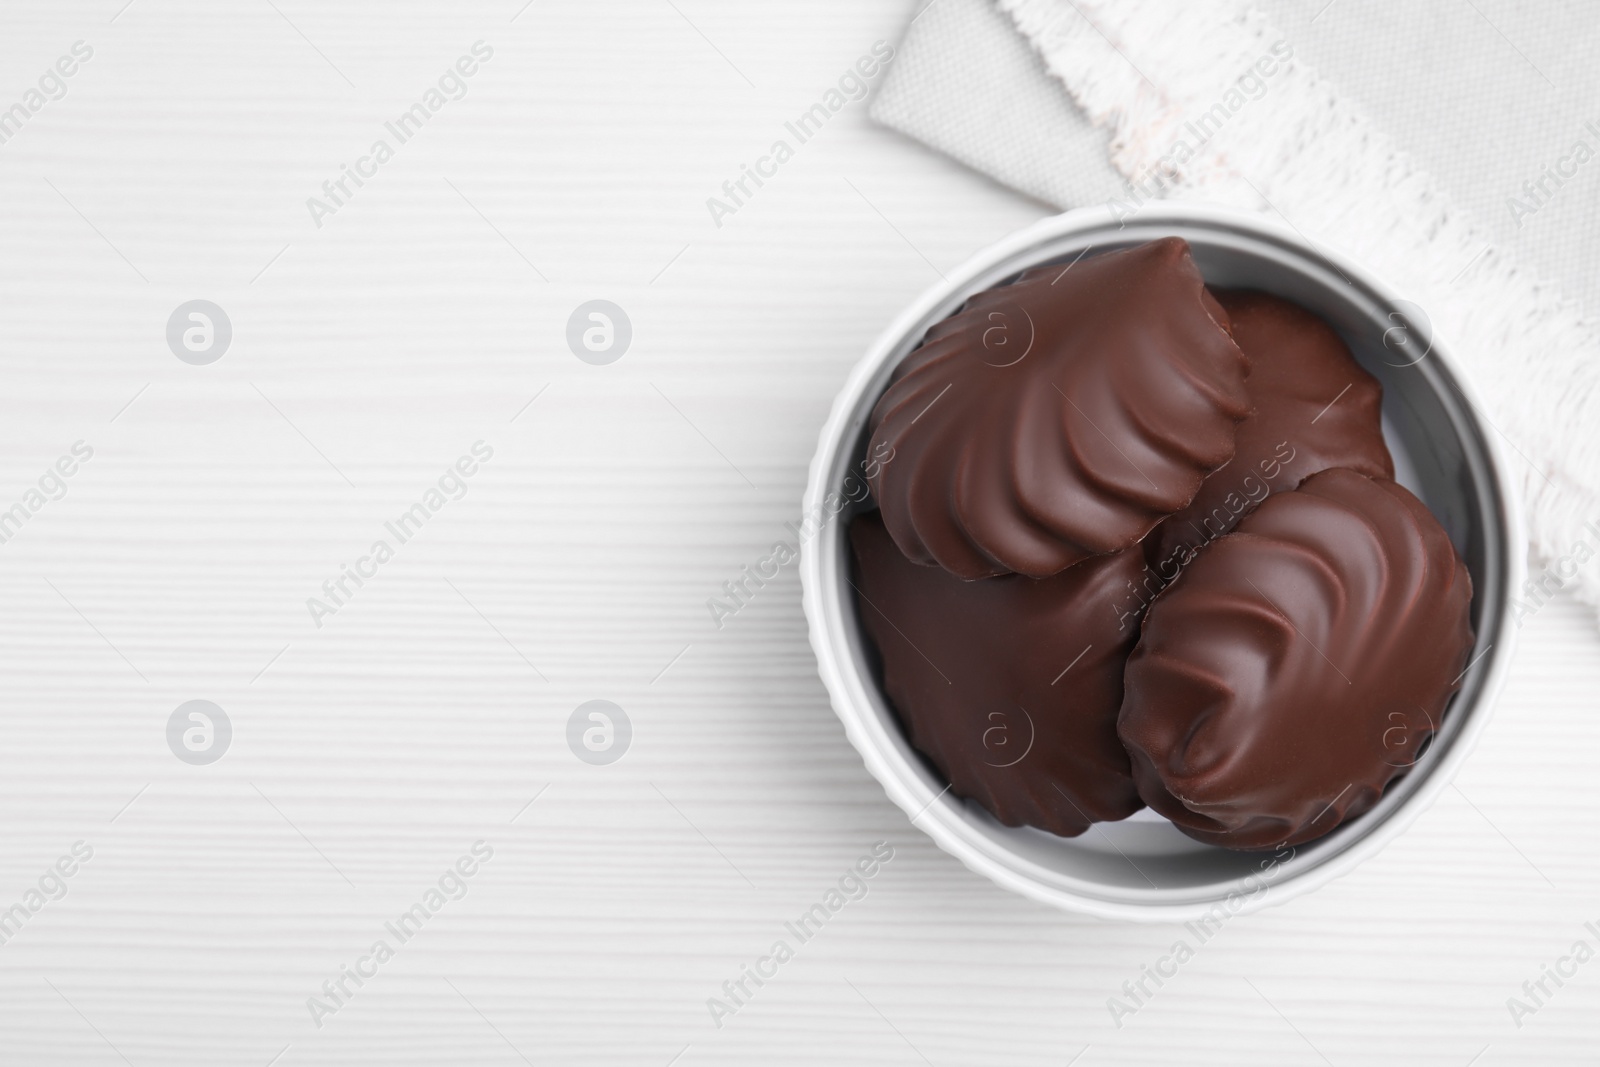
1441	454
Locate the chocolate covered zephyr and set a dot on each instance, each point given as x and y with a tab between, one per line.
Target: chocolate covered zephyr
1104	453
1312	407
1061	416
1298	664
1010	686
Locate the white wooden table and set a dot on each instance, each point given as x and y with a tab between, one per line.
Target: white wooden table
430	710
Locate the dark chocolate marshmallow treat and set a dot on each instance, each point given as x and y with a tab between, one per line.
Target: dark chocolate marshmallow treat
1009	685
1298	664
1059	417
1312	407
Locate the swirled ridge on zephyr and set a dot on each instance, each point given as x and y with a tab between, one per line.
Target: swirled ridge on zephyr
1061	416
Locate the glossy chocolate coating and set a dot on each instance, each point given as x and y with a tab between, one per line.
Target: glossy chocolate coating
1312	408
1059	417
1009	685
1298	664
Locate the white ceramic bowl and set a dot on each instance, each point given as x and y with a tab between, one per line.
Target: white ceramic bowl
1445	452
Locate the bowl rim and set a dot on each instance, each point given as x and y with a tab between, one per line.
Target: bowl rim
939	815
